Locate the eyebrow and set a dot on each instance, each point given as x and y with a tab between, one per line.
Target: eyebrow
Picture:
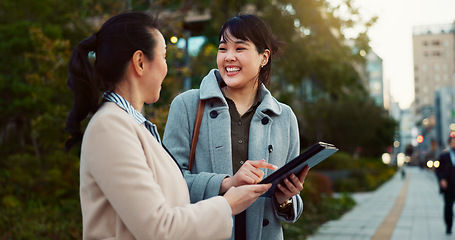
237	42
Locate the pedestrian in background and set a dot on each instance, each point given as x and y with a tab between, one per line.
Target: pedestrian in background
446	176
242	123
130	187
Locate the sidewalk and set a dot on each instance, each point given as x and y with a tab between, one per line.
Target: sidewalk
400	209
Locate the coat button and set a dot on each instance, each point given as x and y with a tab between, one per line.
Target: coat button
213	114
265	121
265	222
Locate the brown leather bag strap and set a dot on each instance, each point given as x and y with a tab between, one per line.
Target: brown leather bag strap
197	126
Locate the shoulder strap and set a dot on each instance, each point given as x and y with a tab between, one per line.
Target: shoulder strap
197	126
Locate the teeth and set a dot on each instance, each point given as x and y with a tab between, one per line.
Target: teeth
232	69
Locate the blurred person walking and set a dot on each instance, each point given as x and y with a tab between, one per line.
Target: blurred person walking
446	177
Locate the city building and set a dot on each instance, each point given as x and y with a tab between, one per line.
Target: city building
434	64
374	73
371	76
444	115
434	71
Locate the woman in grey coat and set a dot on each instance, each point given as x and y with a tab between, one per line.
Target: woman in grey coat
244	128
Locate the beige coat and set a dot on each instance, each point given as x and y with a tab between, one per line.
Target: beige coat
132	189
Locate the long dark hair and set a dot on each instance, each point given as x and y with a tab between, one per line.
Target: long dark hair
252	28
111	47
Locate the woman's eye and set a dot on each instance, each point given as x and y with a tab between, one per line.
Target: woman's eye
221	49
241	49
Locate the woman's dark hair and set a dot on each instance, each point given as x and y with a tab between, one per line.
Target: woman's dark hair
112	46
251	28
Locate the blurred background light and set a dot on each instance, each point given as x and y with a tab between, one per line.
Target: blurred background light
386	158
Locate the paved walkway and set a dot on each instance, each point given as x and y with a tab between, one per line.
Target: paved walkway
401	209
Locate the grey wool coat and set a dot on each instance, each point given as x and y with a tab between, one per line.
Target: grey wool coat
274	136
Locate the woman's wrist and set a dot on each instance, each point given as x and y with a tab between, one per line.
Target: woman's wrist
225	185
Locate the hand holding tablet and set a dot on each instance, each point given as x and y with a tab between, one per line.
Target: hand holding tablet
311	157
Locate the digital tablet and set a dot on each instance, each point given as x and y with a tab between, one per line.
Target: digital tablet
311	157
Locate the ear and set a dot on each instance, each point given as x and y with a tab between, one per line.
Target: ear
138	62
265	57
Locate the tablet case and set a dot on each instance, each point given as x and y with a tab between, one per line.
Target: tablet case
311	157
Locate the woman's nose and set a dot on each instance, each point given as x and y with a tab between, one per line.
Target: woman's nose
230	57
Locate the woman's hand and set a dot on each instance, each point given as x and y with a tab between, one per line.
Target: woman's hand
248	174
292	186
240	198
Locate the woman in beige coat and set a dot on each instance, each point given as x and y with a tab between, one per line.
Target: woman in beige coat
130	187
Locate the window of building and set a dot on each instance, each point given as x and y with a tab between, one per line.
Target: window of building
435	42
425	89
425	43
437	78
426	100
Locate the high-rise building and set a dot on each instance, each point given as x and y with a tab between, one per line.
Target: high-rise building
434	71
444	115
374	75
434	64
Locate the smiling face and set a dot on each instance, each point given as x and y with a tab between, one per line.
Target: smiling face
157	68
239	63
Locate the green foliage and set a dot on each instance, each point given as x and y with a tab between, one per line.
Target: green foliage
40	197
359	174
39	194
351	124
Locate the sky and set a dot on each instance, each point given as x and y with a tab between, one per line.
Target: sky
391	37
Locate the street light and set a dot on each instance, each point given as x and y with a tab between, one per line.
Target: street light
401	159
174	39
386	158
436	164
